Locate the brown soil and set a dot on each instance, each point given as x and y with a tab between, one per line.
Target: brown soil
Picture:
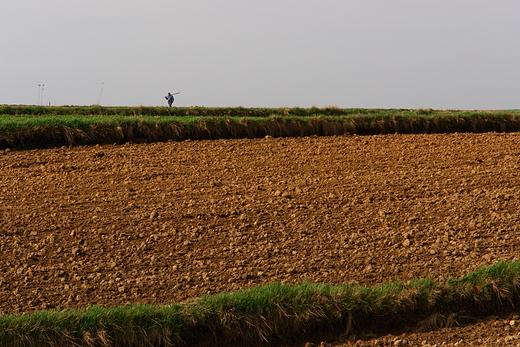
156	223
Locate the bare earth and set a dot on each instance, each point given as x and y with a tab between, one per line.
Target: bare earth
155	223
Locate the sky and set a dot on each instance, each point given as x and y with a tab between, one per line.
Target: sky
440	54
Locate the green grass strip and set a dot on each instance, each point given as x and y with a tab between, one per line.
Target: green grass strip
198	111
273	313
48	130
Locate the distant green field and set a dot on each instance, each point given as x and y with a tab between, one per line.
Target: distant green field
41	126
200	111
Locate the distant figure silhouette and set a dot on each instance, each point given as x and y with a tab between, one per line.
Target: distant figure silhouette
170	99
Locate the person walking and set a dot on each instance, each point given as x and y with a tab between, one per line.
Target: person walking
170	99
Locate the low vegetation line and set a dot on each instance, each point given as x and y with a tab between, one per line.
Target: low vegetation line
29	127
275	313
198	111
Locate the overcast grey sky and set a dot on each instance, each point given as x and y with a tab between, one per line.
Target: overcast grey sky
443	54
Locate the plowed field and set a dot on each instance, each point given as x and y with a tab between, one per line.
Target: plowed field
162	222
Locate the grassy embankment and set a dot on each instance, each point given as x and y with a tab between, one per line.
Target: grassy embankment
39	126
275	313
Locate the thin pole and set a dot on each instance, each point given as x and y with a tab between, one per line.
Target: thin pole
100	94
